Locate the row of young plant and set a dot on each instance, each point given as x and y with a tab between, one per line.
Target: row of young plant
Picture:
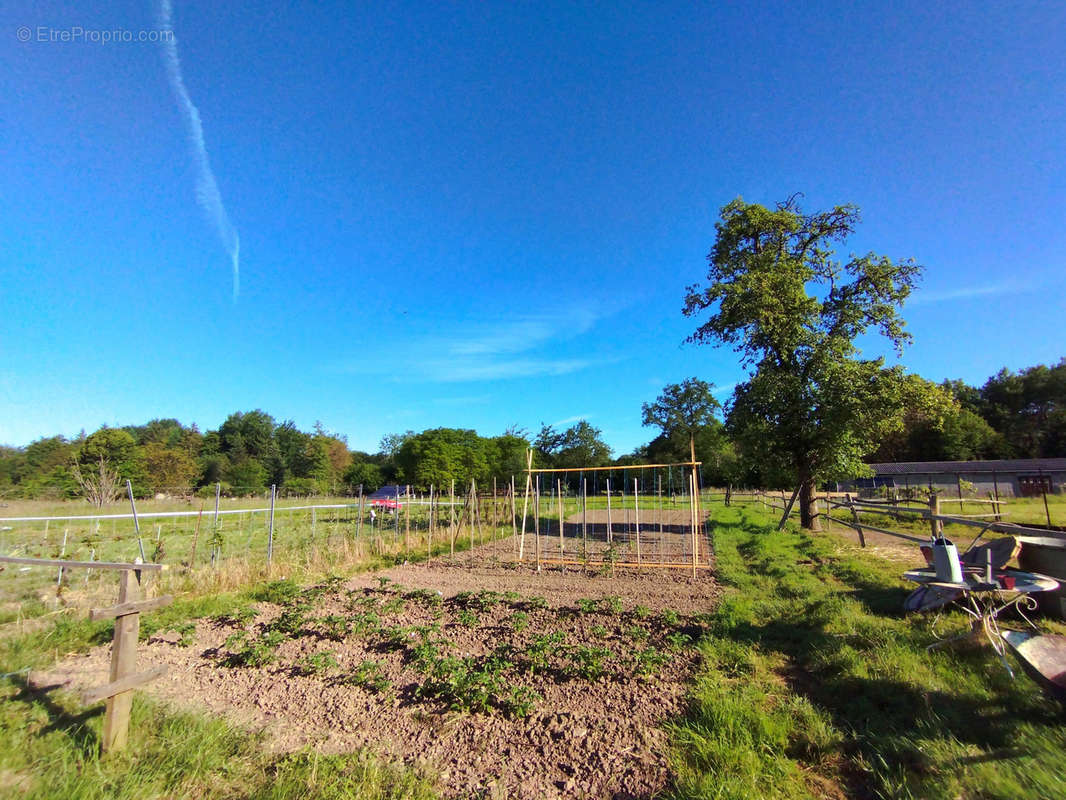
625	644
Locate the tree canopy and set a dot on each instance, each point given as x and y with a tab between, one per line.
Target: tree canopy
775	292
683	408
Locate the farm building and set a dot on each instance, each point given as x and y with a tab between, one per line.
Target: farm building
1020	477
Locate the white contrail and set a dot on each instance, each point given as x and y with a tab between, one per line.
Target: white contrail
207	194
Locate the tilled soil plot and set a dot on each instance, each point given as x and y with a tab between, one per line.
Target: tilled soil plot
499	681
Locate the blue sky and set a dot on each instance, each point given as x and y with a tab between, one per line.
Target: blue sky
483	215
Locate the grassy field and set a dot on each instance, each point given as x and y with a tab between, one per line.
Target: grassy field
813	684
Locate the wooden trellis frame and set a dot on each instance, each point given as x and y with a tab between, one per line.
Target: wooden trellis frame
694	525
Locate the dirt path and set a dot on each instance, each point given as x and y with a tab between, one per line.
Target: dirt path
597	698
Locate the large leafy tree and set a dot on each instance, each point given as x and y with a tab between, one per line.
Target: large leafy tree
1029	409
683	408
439	456
580	445
776	293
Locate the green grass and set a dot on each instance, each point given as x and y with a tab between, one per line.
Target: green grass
51	749
813	676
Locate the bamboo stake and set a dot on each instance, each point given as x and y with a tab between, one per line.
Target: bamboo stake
536	520
429	528
473	515
636	514
610	527
662	554
525	502
407	525
495	522
514	517
584	519
560	493
451	524
692	514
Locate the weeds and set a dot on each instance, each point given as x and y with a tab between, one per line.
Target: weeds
588	662
335	627
520	701
538	652
317	663
588	605
249	652
467	618
648	661
370	676
612	605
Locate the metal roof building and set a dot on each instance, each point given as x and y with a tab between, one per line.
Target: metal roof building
1017	477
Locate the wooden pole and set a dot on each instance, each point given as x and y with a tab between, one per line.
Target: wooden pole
958	483
935	526
514	517
495	522
788	508
195	537
451	523
636	514
610	531
429	528
560	493
855	516
525	502
407	525
662	554
473	517
359	522
692	517
62	553
536	521
1043	491
270	535
584	519
218	494
123	662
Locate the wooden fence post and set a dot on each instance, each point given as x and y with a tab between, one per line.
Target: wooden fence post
855	516
123	662
935	526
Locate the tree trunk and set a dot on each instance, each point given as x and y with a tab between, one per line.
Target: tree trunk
808	518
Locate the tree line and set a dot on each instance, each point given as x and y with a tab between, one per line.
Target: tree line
1012	415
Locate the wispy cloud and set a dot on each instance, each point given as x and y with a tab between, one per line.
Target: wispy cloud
522	334
207	194
718	391
571	420
529	346
451	371
466	400
965	292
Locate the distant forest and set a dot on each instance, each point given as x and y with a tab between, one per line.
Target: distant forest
1013	415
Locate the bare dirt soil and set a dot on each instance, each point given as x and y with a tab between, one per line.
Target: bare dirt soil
500	681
